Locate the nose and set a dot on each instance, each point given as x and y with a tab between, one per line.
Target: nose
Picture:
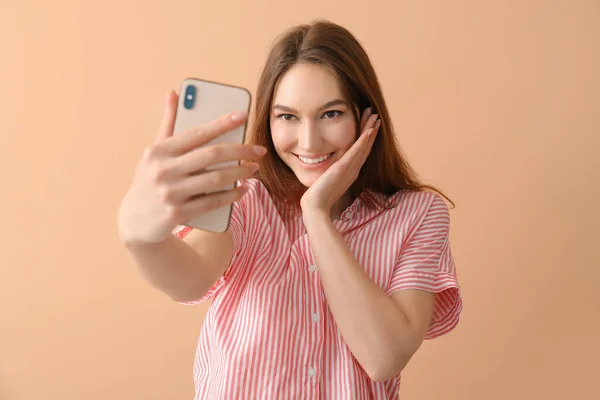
309	137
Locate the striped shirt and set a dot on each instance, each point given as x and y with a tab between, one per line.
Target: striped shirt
269	333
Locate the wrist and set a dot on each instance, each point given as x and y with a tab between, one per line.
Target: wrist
311	215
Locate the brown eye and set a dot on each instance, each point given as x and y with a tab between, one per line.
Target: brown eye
331	114
286	117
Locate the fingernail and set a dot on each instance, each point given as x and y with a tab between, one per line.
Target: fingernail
376	128
259	150
239	116
254	167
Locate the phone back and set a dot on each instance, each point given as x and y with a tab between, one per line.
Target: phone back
200	102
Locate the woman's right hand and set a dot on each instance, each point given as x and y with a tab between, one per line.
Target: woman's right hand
170	186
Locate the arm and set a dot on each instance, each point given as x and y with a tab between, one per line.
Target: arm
383	332
184	269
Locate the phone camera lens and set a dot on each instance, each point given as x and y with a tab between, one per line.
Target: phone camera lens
190	97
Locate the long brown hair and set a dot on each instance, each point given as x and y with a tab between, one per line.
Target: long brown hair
329	45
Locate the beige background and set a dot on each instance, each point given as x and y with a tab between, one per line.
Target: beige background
497	102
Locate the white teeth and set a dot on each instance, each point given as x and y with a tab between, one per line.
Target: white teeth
313	160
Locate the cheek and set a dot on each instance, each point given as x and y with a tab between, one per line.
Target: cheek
283	136
342	134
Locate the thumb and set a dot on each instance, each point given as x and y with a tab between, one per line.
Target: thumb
168	121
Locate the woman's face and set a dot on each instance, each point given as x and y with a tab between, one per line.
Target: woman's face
312	125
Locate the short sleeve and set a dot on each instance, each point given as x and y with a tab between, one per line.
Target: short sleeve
236	229
425	262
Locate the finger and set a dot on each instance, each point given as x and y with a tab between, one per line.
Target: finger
201	158
363	120
190	140
212	181
370	122
375	129
210	202
356	156
168	120
372	134
353	154
364	143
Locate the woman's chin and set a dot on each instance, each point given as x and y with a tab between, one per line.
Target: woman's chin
307	180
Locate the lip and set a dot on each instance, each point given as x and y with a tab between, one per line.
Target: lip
318	166
311	156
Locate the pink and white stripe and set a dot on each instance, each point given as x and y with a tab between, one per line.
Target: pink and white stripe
269	333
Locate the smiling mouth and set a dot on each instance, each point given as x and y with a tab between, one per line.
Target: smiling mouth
313	161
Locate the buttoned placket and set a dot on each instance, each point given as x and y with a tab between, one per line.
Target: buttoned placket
316	316
317	301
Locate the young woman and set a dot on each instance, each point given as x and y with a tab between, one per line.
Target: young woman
336	265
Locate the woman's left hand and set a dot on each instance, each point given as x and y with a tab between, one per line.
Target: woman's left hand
337	179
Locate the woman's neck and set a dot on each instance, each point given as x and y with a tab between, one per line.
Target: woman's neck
340	206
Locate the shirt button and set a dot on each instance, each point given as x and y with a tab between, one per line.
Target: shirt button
316	317
312	268
312	372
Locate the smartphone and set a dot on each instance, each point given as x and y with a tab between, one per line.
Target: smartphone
202	101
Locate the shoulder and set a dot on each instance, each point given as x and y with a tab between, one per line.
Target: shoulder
414	207
256	190
416	200
257	201
254	185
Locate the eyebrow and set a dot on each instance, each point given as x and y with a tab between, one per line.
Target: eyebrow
336	102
